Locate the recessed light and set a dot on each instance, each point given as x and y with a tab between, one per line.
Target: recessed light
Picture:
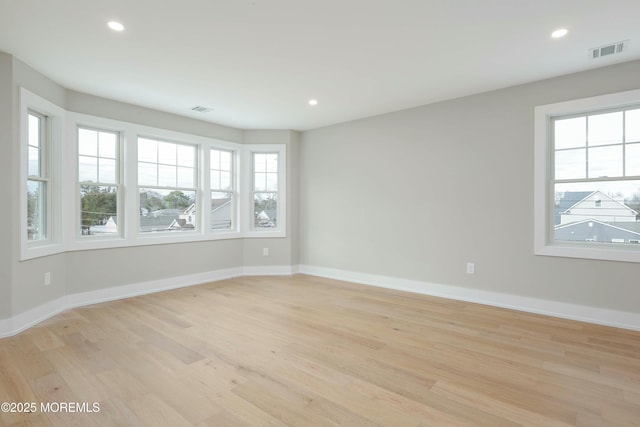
560	32
115	26
313	102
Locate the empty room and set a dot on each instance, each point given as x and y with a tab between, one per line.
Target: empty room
320	213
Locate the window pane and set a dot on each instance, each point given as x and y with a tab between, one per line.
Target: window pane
265	210
215	160
166	176
185	177
605	129
107	168
633	159
225	160
221	210
147	150
570	133
147	174
260	182
602	212
570	164
108	145
272	162
87	169
605	161
167	153
98	210
225	180
166	210
272	181
34	161
34	130
87	142
215	180
36	210
186	155
260	162
632	125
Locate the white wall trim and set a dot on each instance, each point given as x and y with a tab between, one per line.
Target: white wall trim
626	320
270	270
601	316
29	318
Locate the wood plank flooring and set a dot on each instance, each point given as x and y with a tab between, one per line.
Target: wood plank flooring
306	351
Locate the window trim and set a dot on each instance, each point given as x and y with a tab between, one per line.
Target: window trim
543	206
281	229
197	183
235	180
77	125
54	127
63	146
129	133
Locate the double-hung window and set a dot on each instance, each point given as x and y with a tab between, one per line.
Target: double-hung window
38	182
222	182
99	182
265	190
167	186
588	178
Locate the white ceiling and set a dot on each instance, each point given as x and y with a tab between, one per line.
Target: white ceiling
258	62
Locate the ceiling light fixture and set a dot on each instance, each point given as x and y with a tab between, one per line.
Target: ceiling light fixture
559	33
115	26
313	102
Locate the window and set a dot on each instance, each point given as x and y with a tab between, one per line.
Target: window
103	183
265	190
222	189
99	182
37	178
41	130
588	178
167	186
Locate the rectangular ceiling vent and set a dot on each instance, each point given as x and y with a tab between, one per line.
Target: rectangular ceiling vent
201	109
609	49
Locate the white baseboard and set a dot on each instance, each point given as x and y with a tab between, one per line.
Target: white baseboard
601	316
270	270
29	318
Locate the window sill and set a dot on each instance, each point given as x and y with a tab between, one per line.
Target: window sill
605	252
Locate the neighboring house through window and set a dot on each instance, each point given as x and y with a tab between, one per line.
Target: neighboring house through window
588	177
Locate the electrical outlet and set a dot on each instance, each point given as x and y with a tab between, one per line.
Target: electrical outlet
471	268
47	278
265	251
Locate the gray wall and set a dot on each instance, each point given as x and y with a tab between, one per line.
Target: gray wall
7	188
419	193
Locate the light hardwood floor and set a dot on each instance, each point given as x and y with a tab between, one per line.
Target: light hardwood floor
306	351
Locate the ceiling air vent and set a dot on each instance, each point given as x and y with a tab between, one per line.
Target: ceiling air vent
609	49
201	109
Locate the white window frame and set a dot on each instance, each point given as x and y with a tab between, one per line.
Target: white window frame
53	140
197	187
64	201
131	236
119	184
544	244
235	178
281	229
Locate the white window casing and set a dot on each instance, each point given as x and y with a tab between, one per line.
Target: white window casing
64	181
546	183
